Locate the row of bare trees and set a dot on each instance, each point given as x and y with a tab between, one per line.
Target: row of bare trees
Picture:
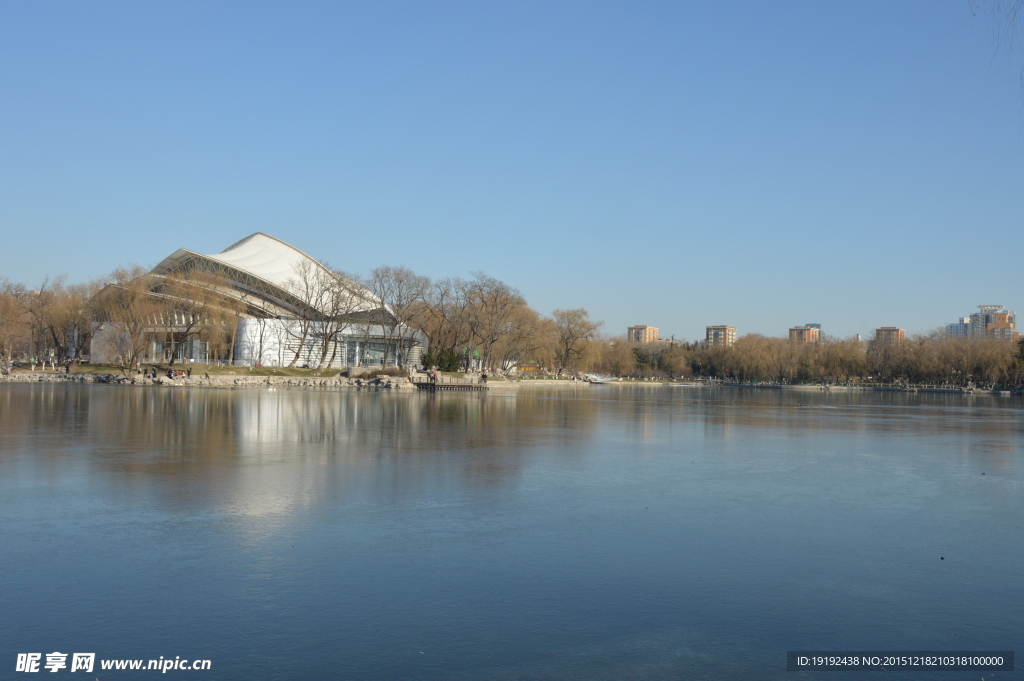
50	323
931	359
479	322
483	321
135	309
476	323
55	323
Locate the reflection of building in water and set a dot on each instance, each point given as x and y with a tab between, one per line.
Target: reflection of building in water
253	453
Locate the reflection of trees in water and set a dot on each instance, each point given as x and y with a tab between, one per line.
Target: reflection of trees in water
127	428
209	437
308	443
975	422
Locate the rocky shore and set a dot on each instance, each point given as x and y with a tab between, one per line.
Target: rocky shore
337	382
334	382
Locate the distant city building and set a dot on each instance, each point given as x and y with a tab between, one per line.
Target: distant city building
990	321
990	314
960	328
890	334
805	334
814	326
993	321
641	333
1002	328
720	335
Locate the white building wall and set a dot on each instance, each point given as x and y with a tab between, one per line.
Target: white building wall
280	339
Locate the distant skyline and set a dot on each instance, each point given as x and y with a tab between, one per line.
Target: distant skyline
759	165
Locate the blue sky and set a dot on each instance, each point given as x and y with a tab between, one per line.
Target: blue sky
675	164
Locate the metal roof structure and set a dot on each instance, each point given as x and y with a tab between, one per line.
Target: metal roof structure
263	266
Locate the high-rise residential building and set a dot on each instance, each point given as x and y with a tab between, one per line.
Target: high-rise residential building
990	321
1002	328
993	321
814	326
641	333
720	335
805	334
961	327
890	334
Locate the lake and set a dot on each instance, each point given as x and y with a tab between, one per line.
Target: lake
602	532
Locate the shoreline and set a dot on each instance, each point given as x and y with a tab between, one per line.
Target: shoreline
819	388
404	384
240	382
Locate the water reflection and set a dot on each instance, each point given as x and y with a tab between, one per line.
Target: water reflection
205	440
147	431
975	422
596	533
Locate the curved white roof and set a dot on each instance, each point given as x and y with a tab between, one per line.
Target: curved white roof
265	257
258	255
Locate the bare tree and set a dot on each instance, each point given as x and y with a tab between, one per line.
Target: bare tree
402	292
194	309
60	317
257	331
342	298
127	311
573	329
492	313
522	338
309	286
1008	16
443	315
617	357
15	322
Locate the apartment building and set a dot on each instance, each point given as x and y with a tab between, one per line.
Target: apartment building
890	334
719	335
805	334
641	333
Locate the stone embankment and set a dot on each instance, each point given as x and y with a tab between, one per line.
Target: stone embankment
332	383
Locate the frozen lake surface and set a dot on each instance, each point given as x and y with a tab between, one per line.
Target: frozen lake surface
598	533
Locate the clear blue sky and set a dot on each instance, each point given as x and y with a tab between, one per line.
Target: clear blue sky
761	165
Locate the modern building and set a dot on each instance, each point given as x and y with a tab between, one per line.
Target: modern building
641	333
987	314
719	335
993	321
272	305
960	328
805	334
890	334
990	321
